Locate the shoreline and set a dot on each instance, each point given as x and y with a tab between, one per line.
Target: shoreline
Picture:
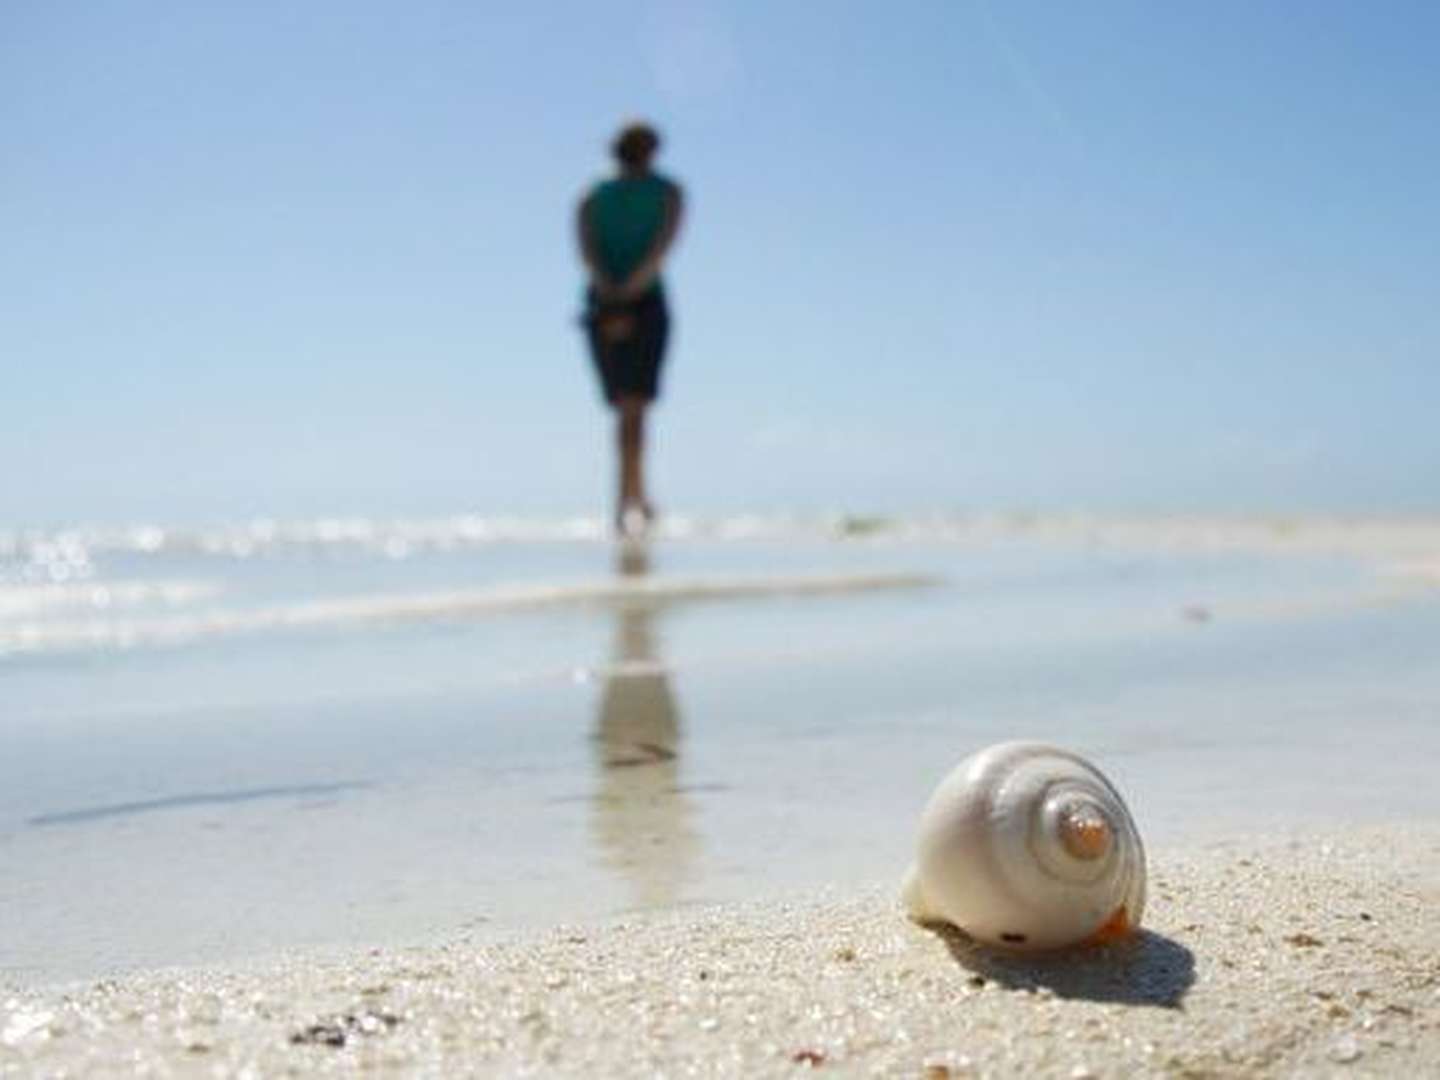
1316	953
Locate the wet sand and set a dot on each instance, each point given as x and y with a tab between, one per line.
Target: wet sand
1314	955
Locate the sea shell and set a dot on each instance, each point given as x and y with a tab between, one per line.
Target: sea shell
1028	846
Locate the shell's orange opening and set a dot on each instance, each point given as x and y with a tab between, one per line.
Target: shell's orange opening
1114	928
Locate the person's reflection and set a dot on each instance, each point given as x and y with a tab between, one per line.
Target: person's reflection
642	820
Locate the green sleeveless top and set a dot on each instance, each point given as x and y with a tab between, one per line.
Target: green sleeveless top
625	217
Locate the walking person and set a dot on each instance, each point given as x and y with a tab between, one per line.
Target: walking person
627	225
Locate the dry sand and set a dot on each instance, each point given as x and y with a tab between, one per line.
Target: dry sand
1310	956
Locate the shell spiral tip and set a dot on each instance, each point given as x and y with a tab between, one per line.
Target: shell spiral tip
1085	833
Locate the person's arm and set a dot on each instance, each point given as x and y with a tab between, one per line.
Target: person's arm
645	274
588	254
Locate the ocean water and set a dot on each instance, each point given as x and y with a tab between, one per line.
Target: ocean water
219	742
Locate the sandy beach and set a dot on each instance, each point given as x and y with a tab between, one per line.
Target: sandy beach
1317	954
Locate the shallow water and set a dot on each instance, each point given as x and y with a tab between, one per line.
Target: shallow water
183	780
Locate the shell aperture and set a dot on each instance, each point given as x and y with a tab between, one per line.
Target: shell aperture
1028	846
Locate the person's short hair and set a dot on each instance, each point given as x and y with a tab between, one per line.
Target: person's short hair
636	144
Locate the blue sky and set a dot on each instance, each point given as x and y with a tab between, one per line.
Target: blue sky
278	258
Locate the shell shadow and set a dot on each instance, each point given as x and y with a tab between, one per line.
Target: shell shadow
1146	969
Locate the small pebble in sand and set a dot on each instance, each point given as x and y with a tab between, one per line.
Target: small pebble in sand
947	1066
813	1058
337	1032
1345	1050
320	1035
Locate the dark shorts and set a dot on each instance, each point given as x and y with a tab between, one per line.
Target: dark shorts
627	344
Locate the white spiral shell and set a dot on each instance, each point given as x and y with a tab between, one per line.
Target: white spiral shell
1028	846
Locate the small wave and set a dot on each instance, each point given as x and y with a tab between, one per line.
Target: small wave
69	555
37	555
72	556
31	601
182	628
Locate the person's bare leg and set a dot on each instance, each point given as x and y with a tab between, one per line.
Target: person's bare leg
630	434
